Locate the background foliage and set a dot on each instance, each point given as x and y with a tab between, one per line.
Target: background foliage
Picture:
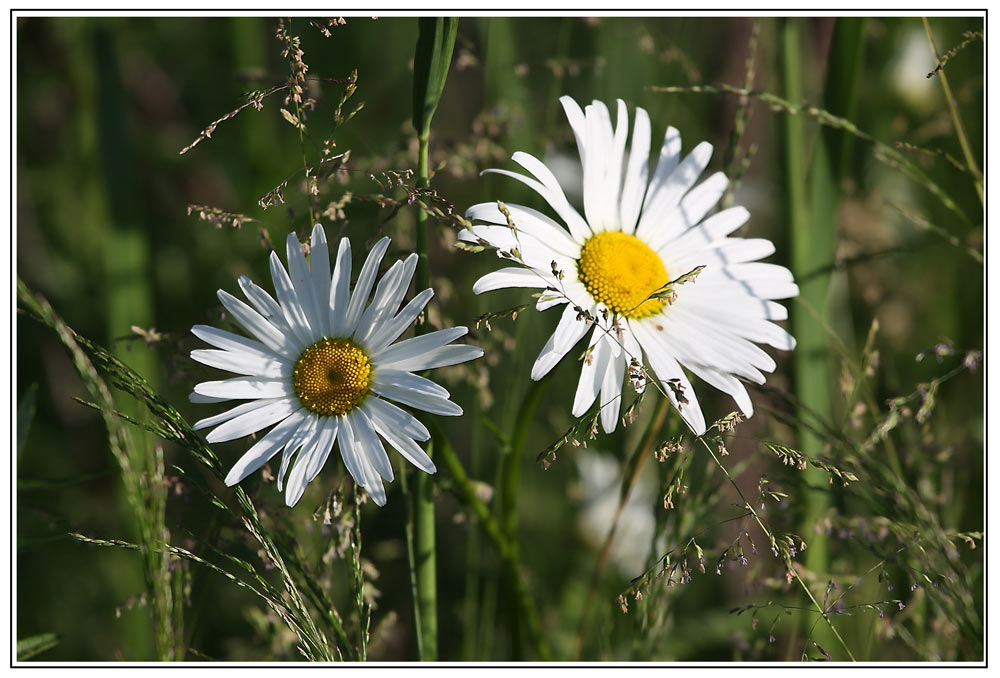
104	233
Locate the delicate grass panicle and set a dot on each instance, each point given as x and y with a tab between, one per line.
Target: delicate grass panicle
746	422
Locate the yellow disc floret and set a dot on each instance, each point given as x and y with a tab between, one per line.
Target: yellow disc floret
621	271
332	376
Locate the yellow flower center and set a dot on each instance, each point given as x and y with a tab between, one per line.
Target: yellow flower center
332	376
621	271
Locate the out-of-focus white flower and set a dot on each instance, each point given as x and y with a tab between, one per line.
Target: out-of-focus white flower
599	485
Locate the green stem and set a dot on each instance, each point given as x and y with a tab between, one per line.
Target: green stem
508	559
432	58
963	140
424	553
812	202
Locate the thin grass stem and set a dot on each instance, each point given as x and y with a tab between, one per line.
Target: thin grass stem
770	535
963	140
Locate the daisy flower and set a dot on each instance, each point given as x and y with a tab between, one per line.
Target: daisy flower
323	367
610	269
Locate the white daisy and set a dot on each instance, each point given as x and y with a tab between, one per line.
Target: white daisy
639	233
323	367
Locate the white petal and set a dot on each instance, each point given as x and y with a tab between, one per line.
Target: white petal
726	383
242	388
738	322
373	483
265	305
529	221
232	413
599	198
388	332
265	448
722	253
428	403
512	276
255	324
670	155
611	392
357	462
303	436
311	459
370	443
244	362
578	123
415	346
254	421
567	333
666	368
442	356
229	341
398	419
291	305
712	229
363	288
203	399
690	211
637	174
388	295
551	192
521	247
765	281
319	272
662	198
417	384
301	277
733	299
340	289
592	374
398	438
691	339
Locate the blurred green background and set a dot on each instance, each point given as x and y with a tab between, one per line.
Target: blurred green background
103	107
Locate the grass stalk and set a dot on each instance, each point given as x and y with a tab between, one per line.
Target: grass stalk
963	140
812	207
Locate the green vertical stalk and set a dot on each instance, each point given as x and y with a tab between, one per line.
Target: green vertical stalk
811	209
435	43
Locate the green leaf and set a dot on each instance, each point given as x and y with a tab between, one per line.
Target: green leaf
435	44
29	647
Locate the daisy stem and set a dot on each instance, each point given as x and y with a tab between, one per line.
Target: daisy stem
432	58
467	493
637	462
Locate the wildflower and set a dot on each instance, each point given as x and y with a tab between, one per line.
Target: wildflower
623	263
323	367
